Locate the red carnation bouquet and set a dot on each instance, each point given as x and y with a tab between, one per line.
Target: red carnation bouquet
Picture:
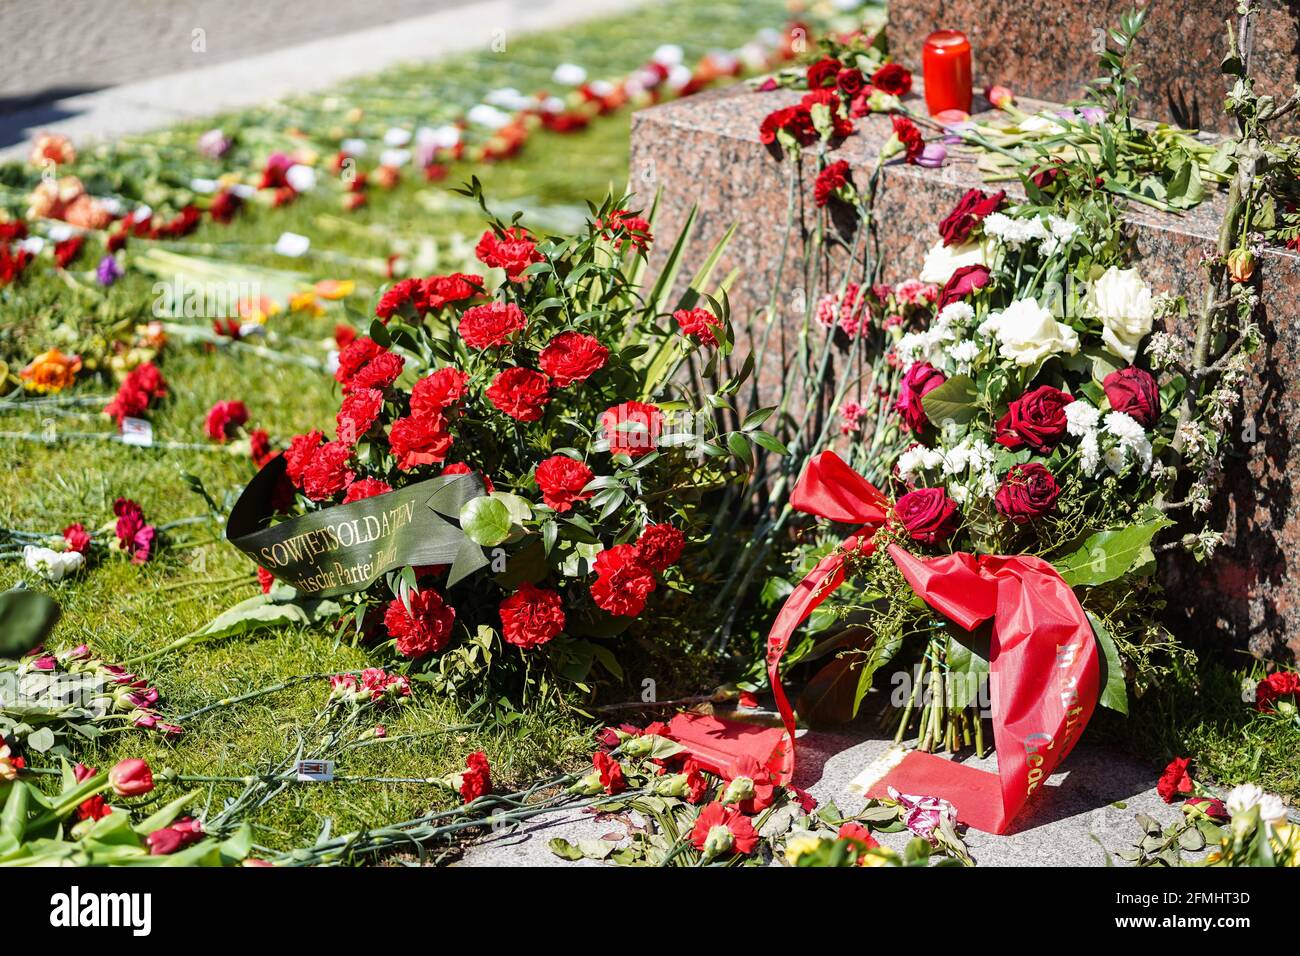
553	375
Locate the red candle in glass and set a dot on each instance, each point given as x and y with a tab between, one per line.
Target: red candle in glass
945	63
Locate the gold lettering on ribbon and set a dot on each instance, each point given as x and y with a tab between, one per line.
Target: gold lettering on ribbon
340	535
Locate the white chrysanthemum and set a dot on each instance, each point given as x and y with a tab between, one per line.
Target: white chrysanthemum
1089	454
955	313
1243	798
1114	458
963	356
1272	810
959	493
1081	417
911	348
1060	233
942	261
1027	333
1014	232
916	459
1124	427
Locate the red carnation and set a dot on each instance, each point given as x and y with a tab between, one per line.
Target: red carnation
77	538
850	82
660	546
969	212
841	125
1175	780
531	616
962	283
439	391
379	372
698	324
476	780
830	181
572	357
921	379
359	411
490	325
892	78
149	379
610	771
129	402
514	251
928	514
298	455
260	448
1135	393
133	535
624	229
632	428
366	488
623	581
1036	419
823	73
328	473
419	440
399	294
224	419
353	356
739	838
520	393
1028	491
1274	686
795	121
424	628
67	250
460	468
561	480
910	136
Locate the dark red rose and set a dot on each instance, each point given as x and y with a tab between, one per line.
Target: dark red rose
1045	176
850	82
969	213
921	379
823	73
1036	419
928	514
1175	780
1135	393
520	393
531	616
623	581
572	357
834	177
660	546
561	480
962	283
1028	491
892	78
424	628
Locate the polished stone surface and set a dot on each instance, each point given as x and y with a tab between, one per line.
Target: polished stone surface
1048	50
704	152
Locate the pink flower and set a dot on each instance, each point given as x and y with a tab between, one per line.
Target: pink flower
131	778
924	814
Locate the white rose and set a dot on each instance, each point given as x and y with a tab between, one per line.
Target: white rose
942	261
1027	333
1124	304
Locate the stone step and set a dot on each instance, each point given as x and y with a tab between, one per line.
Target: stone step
704	151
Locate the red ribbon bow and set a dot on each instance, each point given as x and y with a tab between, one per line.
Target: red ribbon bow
1043	668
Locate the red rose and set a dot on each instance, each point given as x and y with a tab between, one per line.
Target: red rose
531	616
1036	419
224	419
623	581
419	440
358	413
660	546
298	455
892	78
514	251
1028	491
440	291
366	488
921	379
962	283
561	480
380	372
460	468
829	181
850	82
424	628
610	771
490	325
698	324
439	391
399	294
910	136
928	514
1044	176
572	357
476	779
76	538
969	213
823	73
1175	780
632	428
1135	393
520	393
328	473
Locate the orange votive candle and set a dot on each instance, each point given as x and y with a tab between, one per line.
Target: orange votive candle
945	63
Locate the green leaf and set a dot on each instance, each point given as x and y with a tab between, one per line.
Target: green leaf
564	849
953	401
41	740
26	619
756	418
268	610
1109	555
1114	690
485	521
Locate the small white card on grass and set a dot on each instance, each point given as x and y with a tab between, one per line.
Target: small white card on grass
138	432
315	771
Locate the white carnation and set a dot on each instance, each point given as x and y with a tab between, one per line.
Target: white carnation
1089	454
1243	798
1081	417
963	356
1124	427
955	313
49	564
1014	232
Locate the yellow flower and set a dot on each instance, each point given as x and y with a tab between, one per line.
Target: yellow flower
334	289
306	302
1286	844
797	846
51	372
257	310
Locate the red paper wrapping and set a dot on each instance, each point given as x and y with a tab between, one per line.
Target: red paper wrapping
1043	668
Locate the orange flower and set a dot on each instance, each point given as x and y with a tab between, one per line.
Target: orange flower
51	372
54	148
334	289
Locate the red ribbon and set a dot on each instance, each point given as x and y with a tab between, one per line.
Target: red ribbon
1043	669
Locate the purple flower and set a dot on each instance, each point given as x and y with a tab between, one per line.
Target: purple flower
1086	114
108	271
214	144
923	814
933	156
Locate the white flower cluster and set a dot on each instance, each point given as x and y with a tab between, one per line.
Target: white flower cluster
1131	446
1052	233
942	340
968	466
